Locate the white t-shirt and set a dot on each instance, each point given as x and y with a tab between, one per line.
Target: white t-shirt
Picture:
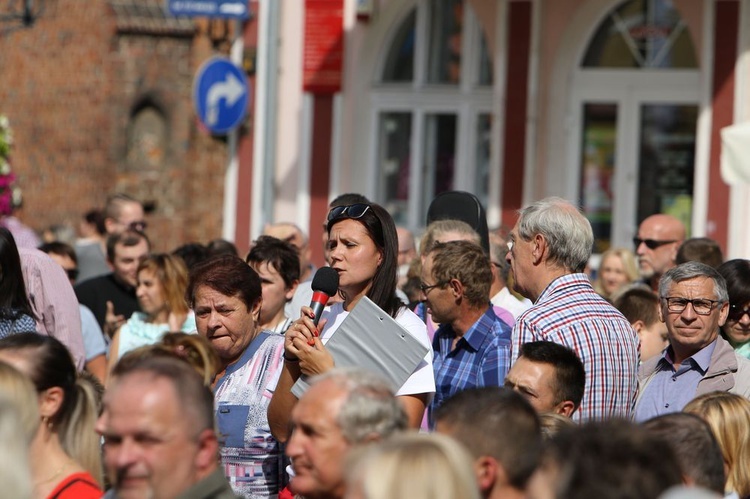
422	380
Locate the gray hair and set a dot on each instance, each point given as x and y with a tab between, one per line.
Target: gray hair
370	408
691	270
441	227
568	233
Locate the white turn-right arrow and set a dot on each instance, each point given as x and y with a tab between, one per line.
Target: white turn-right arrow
231	89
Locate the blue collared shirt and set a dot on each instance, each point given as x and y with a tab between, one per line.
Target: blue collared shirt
481	358
671	389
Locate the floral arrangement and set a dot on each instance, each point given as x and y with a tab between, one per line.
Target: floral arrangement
10	193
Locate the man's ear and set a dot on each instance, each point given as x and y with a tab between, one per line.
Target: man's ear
538	249
457	287
638	326
208	450
487	469
565	408
109	224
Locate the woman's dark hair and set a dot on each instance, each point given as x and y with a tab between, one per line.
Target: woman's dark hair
737	274
51	365
382	230
230	276
280	255
95	217
13	299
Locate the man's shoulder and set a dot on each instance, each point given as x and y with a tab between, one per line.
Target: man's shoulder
94	286
214	486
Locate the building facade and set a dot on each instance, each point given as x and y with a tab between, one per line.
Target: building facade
617	105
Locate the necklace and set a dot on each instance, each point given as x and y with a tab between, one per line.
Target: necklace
55	474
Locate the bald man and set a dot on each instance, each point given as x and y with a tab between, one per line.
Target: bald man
659	237
292	234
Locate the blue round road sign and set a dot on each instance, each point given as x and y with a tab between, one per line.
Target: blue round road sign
221	95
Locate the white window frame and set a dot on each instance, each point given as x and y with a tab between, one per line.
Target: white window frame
628	89
466	100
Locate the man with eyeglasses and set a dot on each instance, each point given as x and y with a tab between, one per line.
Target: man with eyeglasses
472	345
694	305
122	212
659	237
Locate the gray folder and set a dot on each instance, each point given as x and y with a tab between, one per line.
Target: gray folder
371	339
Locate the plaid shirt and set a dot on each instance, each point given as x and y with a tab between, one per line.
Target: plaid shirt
571	313
481	358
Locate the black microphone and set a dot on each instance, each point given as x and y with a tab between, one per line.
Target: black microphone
325	284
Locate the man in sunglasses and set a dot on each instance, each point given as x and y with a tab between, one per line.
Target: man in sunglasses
694	305
659	237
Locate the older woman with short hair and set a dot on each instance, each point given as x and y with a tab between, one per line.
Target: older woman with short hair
226	295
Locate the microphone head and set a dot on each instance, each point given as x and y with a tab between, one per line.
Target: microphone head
326	280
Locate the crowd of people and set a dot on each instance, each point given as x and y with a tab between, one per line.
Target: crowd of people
203	373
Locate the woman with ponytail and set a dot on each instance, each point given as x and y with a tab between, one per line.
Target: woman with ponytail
65	452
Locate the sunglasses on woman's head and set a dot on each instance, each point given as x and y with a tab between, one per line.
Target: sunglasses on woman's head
350	211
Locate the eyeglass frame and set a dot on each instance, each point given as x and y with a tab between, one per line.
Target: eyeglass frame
427	289
338	212
652	244
687	301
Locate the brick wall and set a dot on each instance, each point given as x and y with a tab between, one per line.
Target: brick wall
70	84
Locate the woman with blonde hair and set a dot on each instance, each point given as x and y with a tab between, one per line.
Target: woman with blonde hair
728	415
65	451
19	421
616	269
417	466
161	287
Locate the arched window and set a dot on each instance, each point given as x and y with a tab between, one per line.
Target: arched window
432	102
637	92
147	139
642	34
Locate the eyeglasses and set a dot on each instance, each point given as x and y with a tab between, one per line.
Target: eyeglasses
651	244
426	289
510	245
736	313
72	274
351	211
701	306
140	226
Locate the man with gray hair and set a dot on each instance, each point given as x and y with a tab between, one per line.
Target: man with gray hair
157	426
694	305
548	251
342	409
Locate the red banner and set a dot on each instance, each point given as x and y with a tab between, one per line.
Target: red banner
323	56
